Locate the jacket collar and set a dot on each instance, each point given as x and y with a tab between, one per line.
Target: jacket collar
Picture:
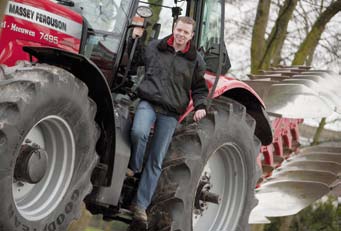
189	52
170	43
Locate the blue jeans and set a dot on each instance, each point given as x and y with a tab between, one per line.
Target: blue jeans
145	117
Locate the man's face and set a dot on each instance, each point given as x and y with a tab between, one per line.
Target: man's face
182	32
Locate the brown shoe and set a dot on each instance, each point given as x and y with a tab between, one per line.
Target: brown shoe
139	213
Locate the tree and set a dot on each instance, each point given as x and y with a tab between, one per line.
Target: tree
268	44
154	4
306	50
266	48
265	52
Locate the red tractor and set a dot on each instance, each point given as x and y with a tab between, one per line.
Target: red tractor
67	87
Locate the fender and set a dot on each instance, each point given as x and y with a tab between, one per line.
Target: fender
99	91
244	94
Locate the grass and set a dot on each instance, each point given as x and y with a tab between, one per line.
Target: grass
93	229
112	226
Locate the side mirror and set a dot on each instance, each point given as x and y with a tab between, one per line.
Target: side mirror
144	12
211	57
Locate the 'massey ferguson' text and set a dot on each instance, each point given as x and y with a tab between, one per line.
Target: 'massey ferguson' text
36	16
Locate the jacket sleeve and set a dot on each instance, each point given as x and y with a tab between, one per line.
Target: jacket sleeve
199	87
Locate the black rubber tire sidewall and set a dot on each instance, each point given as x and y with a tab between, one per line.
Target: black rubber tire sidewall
173	201
63	97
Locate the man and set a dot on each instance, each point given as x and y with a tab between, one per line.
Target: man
173	71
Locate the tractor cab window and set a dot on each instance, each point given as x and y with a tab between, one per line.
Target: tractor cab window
210	37
210	25
105	15
107	21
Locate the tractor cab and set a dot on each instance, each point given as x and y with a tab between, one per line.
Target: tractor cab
110	23
208	31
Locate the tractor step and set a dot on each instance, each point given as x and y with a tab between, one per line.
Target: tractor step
123	215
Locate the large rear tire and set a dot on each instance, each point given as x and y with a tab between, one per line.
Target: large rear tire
215	157
46	110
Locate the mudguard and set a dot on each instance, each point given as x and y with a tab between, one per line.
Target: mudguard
244	94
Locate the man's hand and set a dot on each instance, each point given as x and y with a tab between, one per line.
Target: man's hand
199	114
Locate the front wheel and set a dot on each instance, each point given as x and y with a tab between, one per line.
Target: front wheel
209	174
47	147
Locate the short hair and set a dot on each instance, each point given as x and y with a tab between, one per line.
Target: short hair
187	20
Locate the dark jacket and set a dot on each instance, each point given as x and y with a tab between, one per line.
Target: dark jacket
170	78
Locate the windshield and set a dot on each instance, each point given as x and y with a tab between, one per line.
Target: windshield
105	15
107	20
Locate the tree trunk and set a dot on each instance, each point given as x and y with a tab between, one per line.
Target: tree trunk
258	34
155	17
285	223
258	227
277	56
318	132
308	46
278	35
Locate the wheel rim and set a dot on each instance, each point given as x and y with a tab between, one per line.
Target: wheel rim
36	201
227	172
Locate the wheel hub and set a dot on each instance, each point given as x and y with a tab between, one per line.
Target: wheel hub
44	168
224	176
204	196
31	164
